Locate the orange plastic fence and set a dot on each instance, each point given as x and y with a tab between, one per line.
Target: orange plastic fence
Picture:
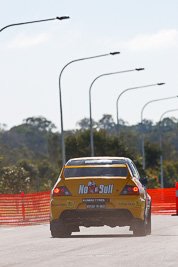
163	200
28	209
24	209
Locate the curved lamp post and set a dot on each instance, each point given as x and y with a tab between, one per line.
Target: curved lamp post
160	145
133	88
60	97
143	149
34	21
91	122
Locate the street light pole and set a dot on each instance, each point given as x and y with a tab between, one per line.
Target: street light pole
143	149
90	109
34	21
160	145
133	88
60	97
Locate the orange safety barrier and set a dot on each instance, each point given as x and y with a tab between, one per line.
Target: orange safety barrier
176	198
163	201
24	209
28	209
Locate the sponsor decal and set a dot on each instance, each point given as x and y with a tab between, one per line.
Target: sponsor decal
70	204
137	204
92	188
93	200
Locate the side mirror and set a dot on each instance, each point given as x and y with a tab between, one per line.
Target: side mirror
144	181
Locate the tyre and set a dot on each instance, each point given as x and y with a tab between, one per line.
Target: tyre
149	223
140	229
59	234
60	230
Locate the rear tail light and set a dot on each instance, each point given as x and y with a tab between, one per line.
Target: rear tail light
130	190
61	191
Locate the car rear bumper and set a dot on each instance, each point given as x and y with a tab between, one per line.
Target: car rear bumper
115	208
87	218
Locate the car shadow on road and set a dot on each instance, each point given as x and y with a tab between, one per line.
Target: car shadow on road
163	235
103	236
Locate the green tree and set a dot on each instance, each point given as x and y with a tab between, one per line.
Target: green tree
132	140
153	179
170	173
33	173
79	146
41	123
152	155
33	134
14	180
54	145
168	124
147	126
106	122
84	124
47	175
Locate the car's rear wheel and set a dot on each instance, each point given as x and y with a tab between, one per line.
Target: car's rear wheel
140	229
149	223
60	234
60	230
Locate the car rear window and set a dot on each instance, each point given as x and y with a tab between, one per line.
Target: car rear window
97	170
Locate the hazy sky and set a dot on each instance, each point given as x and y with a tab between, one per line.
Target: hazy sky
32	56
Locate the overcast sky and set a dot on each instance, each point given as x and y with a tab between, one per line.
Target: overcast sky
32	56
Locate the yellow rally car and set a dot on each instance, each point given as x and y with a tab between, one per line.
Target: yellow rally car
98	191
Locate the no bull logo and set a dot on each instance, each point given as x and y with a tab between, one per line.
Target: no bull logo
92	188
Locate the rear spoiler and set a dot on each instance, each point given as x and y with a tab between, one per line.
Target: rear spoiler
129	175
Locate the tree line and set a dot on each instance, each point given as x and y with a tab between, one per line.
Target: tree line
30	153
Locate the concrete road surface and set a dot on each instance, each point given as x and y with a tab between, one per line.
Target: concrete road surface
103	246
